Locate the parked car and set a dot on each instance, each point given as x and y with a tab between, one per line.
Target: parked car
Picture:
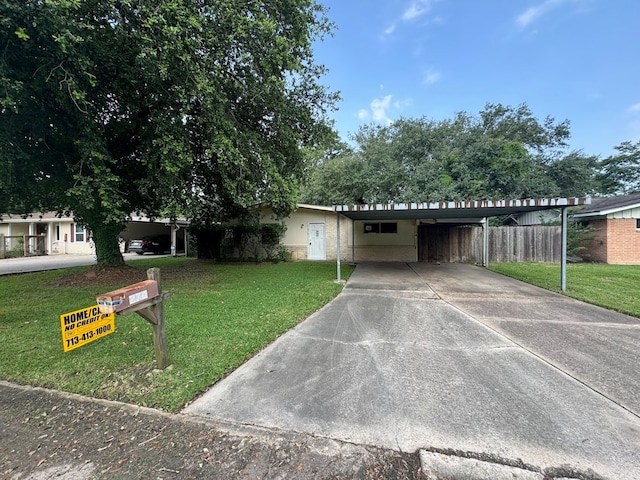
152	244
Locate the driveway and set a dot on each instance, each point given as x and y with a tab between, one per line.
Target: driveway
450	357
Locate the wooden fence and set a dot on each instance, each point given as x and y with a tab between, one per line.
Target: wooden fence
506	244
538	243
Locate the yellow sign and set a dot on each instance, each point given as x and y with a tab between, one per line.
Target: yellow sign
85	326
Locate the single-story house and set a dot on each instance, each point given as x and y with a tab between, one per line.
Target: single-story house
615	229
425	232
48	234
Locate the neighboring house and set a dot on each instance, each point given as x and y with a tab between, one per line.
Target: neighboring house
534	218
45	234
615	229
48	234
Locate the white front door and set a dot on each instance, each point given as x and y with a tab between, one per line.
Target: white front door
316	250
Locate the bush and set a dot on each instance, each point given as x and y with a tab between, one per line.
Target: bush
250	241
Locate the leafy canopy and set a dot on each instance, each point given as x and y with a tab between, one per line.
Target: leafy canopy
503	152
174	107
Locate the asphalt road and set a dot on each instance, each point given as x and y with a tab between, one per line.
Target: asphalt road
450	357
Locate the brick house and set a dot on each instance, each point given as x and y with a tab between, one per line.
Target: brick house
615	223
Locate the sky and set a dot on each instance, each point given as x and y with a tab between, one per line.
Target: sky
576	60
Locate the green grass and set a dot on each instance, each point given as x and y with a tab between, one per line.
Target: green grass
218	316
611	286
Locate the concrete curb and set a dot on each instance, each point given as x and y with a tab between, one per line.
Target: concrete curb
438	466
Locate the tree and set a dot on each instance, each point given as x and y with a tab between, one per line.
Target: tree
574	174
619	174
169	107
503	152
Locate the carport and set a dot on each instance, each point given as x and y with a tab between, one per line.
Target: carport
438	215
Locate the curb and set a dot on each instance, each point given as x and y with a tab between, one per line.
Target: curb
438	466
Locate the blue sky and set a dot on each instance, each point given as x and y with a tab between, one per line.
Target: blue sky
570	59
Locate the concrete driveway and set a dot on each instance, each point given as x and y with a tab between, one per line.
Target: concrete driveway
450	357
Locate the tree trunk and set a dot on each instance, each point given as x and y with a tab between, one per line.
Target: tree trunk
105	237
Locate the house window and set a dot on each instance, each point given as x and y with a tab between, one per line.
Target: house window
57	232
637	223
381	227
79	233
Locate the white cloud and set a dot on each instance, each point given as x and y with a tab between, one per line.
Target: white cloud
417	9
431	77
401	104
530	15
379	107
390	29
635	108
382	109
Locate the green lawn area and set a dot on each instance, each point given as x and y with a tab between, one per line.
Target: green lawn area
218	316
616	287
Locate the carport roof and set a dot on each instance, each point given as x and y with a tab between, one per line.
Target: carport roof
468	211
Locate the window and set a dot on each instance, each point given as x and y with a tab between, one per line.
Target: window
381	227
79	233
637	223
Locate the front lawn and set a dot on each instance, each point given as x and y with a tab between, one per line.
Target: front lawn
616	287
218	316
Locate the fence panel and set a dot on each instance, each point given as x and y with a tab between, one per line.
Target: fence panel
537	243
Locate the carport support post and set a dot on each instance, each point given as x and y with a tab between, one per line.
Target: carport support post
338	246
485	242
563	254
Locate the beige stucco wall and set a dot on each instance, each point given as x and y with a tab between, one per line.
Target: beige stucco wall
295	238
386	247
389	247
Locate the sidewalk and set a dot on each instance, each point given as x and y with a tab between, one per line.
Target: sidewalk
9	266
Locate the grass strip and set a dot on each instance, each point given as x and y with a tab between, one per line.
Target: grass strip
615	287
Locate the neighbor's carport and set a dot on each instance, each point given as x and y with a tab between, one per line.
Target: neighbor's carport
459	213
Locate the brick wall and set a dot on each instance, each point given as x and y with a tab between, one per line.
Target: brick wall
623	241
596	247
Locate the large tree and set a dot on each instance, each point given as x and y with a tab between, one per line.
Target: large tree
191	107
620	173
502	152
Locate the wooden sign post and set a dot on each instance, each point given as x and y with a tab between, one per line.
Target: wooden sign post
146	299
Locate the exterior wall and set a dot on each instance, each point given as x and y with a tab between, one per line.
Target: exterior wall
386	247
295	238
54	230
623	241
616	240
596	248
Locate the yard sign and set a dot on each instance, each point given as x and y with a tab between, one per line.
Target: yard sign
84	326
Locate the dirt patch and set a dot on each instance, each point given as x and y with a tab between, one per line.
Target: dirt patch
124	275
127	275
47	434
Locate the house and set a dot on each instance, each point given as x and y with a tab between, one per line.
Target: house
424	232
615	229
50	234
